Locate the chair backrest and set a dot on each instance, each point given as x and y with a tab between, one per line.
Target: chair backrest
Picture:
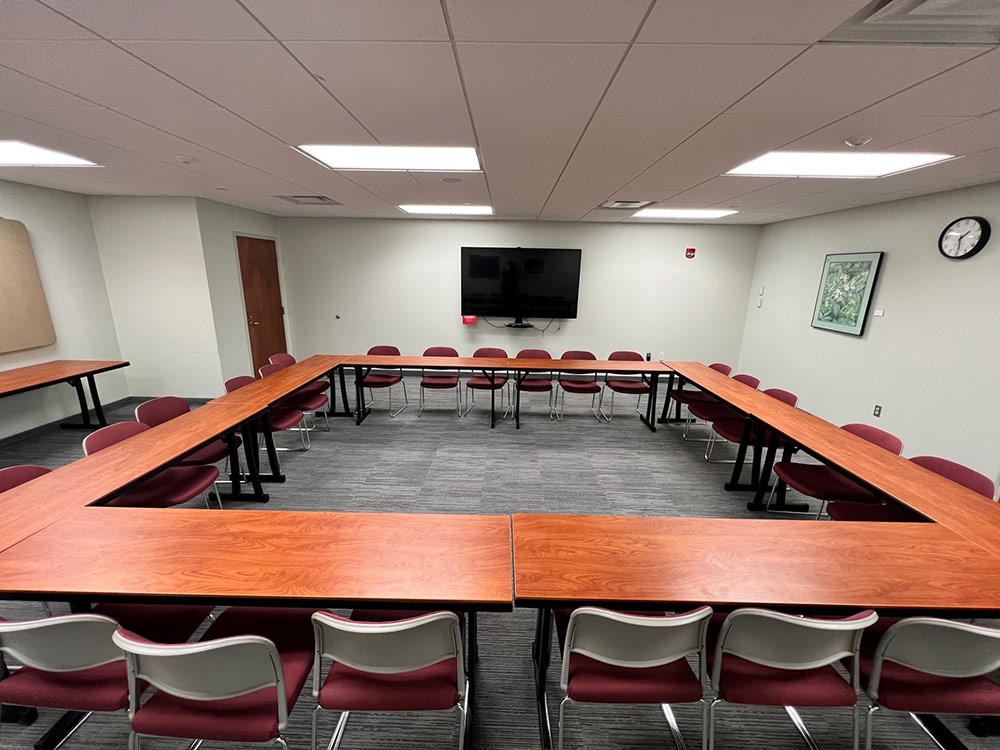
64	643
784	396
784	641
113	433
635	641
490	352
389	647
533	354
749	380
281	359
388	351
939	647
239	381
721	367
13	476
440	351
627	356
956	472
159	410
204	671
578	354
266	370
881	438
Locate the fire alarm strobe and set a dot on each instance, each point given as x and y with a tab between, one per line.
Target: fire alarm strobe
689	253
468	320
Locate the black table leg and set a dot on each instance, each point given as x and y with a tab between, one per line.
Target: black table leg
65	726
649	417
359	394
781	489
343	391
23	715
518	379
85	423
665	413
96	401
492	377
741	457
542	649
272	452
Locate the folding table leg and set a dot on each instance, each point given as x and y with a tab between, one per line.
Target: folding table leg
85	423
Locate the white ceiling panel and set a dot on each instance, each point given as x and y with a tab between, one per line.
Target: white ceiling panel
18	91
752	135
98	71
549	21
606	215
788	190
692	164
29	20
472	188
563	77
884	130
840	79
413	128
968	137
661	78
747	21
571	204
346	20
395	188
152	19
299	127
386	75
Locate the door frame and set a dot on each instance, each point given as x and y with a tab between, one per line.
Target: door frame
243	303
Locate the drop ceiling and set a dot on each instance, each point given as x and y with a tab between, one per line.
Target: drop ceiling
570	103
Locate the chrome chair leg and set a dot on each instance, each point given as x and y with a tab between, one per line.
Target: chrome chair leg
406	400
711	722
464	709
770	497
675	730
868	726
312	742
800	725
562	712
338	733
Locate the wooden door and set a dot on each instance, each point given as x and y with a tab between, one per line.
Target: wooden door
262	298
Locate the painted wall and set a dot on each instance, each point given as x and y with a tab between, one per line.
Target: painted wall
63	240
156	280
930	362
398	282
219	224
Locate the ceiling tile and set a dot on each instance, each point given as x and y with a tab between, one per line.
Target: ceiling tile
346	20
549	21
98	71
298	127
884	130
752	135
18	91
386	75
394	188
605	215
563	77
746	21
472	188
28	20
967	137
571	204
155	19
649	80
789	190
412	128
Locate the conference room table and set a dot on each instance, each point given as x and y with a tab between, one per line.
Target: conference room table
72	371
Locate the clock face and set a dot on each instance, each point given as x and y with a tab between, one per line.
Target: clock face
964	237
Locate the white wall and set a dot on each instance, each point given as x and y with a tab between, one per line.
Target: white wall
154	269
398	282
219	224
931	362
63	239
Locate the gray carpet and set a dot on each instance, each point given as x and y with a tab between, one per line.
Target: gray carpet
439	463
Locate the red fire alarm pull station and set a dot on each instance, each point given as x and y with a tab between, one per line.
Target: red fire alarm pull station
468	320
689	253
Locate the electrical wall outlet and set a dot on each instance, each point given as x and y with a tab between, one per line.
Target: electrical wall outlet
878	410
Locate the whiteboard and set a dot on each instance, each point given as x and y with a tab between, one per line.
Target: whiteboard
25	322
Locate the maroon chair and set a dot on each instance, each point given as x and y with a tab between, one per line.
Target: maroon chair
537	382
894	512
14	476
174	485
731	430
285	360
827	484
385	378
686	397
483	383
576	382
314	402
159	410
279	418
621	383
715	410
440	381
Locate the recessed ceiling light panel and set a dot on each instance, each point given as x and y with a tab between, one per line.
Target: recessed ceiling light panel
21	154
438	210
396	158
683	213
840	164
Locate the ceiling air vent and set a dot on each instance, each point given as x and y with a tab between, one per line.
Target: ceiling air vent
309	200
625	205
923	21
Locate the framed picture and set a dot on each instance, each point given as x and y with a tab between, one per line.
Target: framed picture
845	292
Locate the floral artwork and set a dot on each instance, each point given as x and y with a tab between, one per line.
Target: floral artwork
845	291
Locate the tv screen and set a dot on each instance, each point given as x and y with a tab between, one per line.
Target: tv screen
520	282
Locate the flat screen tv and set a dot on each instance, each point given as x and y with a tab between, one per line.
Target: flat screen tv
520	282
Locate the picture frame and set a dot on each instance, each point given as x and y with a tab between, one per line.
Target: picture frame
845	292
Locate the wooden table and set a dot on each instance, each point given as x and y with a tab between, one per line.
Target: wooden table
69	371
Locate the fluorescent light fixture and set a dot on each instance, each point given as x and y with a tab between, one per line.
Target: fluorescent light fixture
396	158
682	213
835	164
439	210
21	154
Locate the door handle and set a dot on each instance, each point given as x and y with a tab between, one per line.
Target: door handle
252	323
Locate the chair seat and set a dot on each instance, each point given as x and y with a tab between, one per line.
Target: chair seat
282	419
163	623
317	386
482	383
378	380
715	412
580	386
743	681
103	688
439	381
905	689
432	688
212	453
307	402
172	486
840	511
535	385
822	482
596	682
691	397
628	386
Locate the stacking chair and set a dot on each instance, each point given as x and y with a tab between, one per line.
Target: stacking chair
414	664
765	658
687	396
731	430
14	476
301	400
159	410
385	379
238	684
279	417
171	486
614	657
483	383
575	382
436	380
923	665
714	410
537	382
827	484
317	386
621	383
